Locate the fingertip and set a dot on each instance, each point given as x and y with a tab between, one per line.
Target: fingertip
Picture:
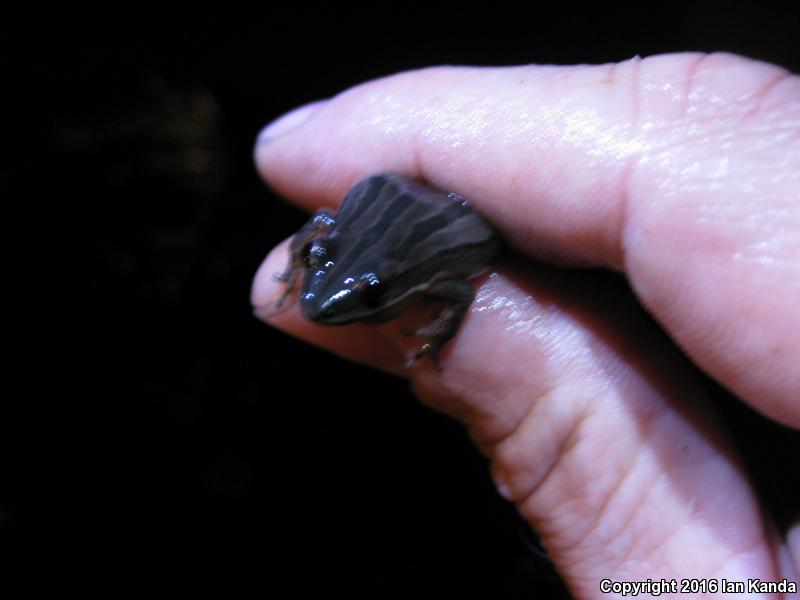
265	290
293	154
288	122
793	542
360	343
515	141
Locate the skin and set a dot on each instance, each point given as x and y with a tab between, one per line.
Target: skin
681	172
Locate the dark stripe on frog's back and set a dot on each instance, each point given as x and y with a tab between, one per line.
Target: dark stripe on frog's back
359	199
439	215
464	257
373	221
465	230
401	239
362	226
383	197
431	272
392	223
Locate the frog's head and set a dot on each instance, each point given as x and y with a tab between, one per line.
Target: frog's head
334	295
334	301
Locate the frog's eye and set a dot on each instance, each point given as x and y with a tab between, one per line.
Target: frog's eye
371	290
313	254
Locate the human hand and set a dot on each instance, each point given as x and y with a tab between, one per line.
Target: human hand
680	171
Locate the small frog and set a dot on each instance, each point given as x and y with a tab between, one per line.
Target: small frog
392	239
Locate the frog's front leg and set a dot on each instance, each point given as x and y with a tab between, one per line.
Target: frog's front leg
318	226
459	295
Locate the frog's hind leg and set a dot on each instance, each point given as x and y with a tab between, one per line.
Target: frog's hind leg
458	294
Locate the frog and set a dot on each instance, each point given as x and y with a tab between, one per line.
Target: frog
393	239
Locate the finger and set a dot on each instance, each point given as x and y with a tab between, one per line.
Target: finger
562	384
385	347
673	169
359	343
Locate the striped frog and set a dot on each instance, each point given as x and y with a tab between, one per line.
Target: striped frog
392	239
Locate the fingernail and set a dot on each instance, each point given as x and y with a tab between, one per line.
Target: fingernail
502	486
291	120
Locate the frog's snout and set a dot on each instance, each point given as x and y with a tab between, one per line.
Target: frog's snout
321	315
327	310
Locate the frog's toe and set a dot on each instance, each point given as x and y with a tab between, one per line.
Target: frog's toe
430	331
278	305
429	350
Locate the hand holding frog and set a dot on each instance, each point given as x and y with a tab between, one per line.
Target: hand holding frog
680	171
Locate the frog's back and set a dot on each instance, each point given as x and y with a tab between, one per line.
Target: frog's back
393	224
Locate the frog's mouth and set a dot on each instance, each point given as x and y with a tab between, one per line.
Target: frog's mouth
341	308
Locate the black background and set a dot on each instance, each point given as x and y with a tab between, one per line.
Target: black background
162	443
